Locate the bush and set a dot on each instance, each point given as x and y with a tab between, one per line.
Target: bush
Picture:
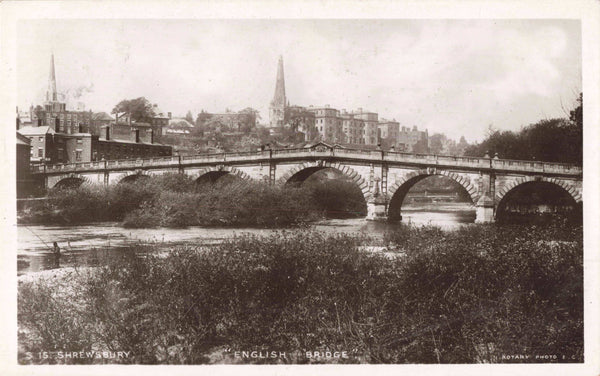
451	297
175	200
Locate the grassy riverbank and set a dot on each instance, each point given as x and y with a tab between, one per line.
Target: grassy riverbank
466	296
174	200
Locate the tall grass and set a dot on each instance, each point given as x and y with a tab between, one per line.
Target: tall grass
467	296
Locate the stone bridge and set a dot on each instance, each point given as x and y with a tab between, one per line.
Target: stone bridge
383	177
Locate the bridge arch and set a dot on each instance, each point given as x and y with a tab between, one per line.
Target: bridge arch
501	194
71	181
302	171
537	195
212	173
398	191
132	176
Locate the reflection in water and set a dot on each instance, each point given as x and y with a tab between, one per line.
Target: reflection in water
92	245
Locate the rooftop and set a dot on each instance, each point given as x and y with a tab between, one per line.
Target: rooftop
35	131
102	116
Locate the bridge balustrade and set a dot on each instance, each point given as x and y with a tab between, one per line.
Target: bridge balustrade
369	155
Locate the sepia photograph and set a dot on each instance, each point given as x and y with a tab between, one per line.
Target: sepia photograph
299	191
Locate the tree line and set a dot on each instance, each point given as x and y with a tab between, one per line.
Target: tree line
549	140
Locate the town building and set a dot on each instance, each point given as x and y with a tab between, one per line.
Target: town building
25	118
100	120
388	133
352	128
328	123
41	142
160	119
413	140
61	136
178	126
140	145
371	128
22	165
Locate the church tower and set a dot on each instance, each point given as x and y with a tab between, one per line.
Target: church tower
278	104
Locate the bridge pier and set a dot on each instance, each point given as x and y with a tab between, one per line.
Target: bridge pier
485	209
377	204
376	210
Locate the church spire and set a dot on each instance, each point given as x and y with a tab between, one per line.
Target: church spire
277	108
279	96
51	95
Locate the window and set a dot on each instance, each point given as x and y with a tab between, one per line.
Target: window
79	141
40	152
41	138
78	155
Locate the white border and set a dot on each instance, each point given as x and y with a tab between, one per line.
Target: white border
587	11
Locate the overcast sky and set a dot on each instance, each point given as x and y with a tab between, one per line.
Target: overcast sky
455	76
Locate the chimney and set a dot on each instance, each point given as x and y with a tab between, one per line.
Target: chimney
168	113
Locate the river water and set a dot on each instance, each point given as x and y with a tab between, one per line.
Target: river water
93	244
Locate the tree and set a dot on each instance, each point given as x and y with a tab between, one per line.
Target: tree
39	114
552	140
421	147
139	109
436	143
202	118
248	118
576	115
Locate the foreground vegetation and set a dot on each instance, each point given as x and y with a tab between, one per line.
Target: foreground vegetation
175	200
468	296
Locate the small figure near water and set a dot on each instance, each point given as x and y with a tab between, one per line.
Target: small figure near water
56	252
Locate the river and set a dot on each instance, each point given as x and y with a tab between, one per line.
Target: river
93	244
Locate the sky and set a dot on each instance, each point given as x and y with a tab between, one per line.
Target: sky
456	77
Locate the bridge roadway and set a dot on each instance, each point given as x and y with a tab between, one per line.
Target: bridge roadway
384	177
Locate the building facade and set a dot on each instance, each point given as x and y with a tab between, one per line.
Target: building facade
328	123
413	140
371	127
41	142
352	128
23	161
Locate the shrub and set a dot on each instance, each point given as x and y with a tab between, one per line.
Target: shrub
451	297
175	200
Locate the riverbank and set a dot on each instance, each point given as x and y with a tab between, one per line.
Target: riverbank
463	296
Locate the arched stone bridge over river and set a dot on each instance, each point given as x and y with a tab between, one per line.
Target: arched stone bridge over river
383	177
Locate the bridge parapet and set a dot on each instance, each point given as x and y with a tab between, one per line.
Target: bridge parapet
358	155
